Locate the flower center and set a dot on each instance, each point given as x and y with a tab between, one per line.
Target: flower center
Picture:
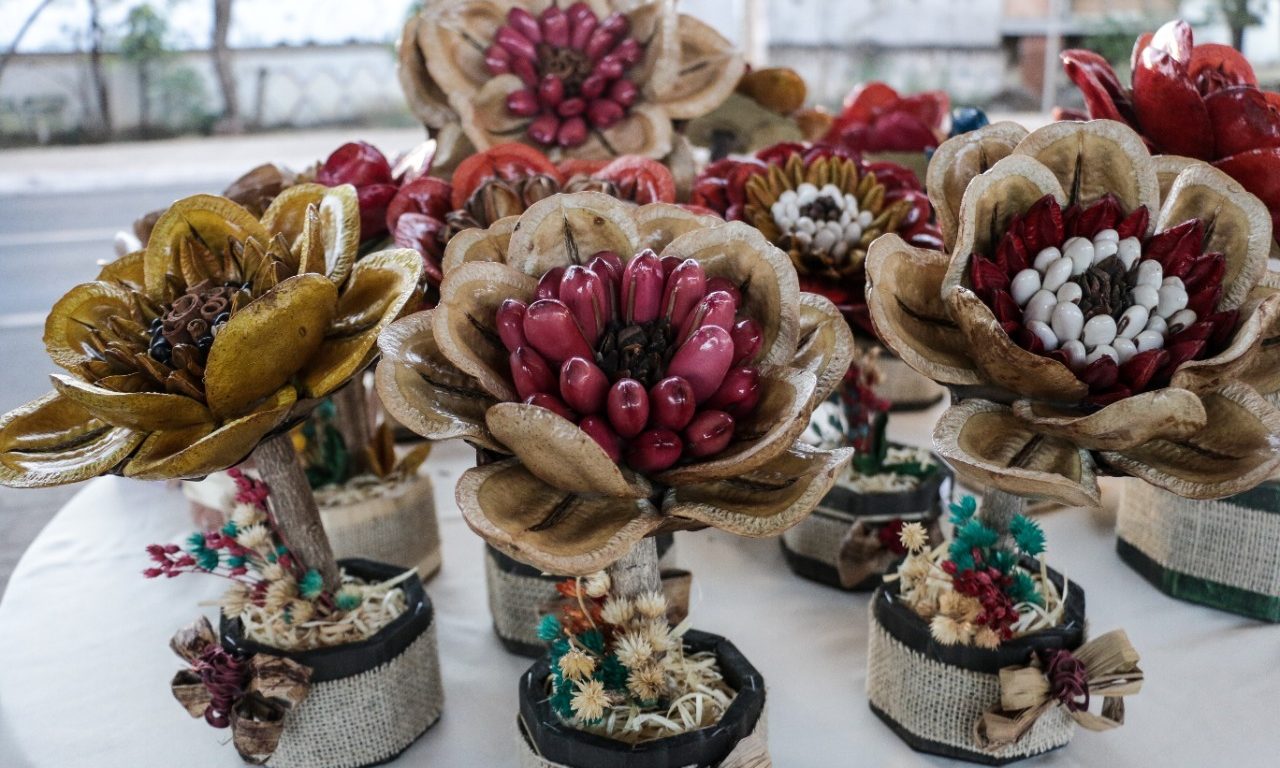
822	225
653	360
191	321
498	198
572	64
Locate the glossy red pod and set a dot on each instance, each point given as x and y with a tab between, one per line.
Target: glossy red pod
627	406
671	403
510	321
709	433
584	293
583	385
686	287
703	360
600	431
739	392
551	403
654	450
642	283
551	328
530	373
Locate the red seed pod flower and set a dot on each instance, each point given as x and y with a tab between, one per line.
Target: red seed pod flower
663	388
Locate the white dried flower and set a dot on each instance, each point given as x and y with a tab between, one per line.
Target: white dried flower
272	572
633	649
986	637
234	601
245	515
597	584
256	537
279	594
590	701
658	632
647	683
947	630
300	611
652	605
914	537
617	611
576	665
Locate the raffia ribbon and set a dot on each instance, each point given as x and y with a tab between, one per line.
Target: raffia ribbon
1106	666
257	692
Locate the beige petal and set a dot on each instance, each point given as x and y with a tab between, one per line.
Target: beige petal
660	223
904	295
826	346
710	67
1162	413
1096	158
129	269
141	411
212	220
766	500
763	274
645	131
484	116
549	528
269	340
200	450
1167	169
480	244
1252	354
957	161
569	229
453	37
338	235
1238	448
53	441
69	323
1262	369
426	100
1236	224
988	444
554	449
382	286
656	26
1004	363
463	321
778	419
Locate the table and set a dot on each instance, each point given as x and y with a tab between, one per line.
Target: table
85	664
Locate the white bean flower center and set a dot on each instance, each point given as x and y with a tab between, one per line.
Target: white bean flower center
1099	297
820	221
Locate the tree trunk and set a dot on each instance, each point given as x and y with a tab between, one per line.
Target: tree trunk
1237	37
230	122
144	98
636	573
294	507
351	407
22	32
998	510
97	70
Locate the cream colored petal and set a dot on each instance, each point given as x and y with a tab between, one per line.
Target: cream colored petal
764	275
1004	363
140	411
1262	368
463	321
1162	413
85	307
549	528
53	441
569	229
709	69
565	457
381	288
209	219
660	223
337	235
1238	448
1096	158
426	100
957	161
200	450
1252	354
264	344
826	346
760	437
453	37
480	244
645	131
766	500
1236	224
904	294
1167	169
656	26
484	115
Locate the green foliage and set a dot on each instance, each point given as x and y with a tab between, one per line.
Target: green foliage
1028	535
311	584
1003	560
592	640
963	510
326	457
549	629
975	534
144	37
562	696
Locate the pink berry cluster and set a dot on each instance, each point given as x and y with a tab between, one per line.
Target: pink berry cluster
652	359
572	64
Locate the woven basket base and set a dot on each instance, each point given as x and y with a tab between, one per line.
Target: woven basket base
400	529
1223	554
822	572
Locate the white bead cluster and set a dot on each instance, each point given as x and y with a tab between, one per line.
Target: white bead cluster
836	234
1050	300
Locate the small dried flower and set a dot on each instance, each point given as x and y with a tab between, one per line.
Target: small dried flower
272	572
647	683
652	605
915	568
279	594
577	665
947	630
617	611
234	601
986	637
597	584
634	649
658	632
914	537
300	611
256	537
245	515
590	701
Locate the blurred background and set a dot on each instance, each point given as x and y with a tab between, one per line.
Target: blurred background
113	108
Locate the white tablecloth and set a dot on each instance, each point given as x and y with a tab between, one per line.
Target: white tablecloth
85	665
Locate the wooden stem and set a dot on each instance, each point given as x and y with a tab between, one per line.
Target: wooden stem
294	507
998	510
351	416
636	573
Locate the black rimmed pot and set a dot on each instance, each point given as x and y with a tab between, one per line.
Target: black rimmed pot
561	744
356	714
933	708
812	548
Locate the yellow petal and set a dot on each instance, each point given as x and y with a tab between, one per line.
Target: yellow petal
209	219
549	528
660	223
990	445
464	327
200	450
338	234
1238	448
1096	158
1236	224
141	411
382	286
957	161
764	501
83	308
569	229
269	340
1162	413
563	456
128	269
480	244
904	295
53	441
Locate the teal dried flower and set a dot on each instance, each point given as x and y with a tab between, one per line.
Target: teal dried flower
1023	589
562	698
196	541
612	673
593	640
963	510
1028	535
206	558
976	534
230	529
311	584
549	628
1003	560
559	647
235	561
348	599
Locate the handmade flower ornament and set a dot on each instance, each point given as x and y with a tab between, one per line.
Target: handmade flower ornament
593	80
182	357
1090	323
876	118
636	369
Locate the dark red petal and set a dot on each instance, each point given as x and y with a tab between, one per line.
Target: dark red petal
1113	395
1104	214
1005	308
1224	61
1071	221
1170	111
1198	331
1137	373
1042	225
987	277
1183	238
1101	374
1135	224
1175	39
1104	95
1011	254
1224	327
1208	270
1242	120
1204	302
1029	341
1179	353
